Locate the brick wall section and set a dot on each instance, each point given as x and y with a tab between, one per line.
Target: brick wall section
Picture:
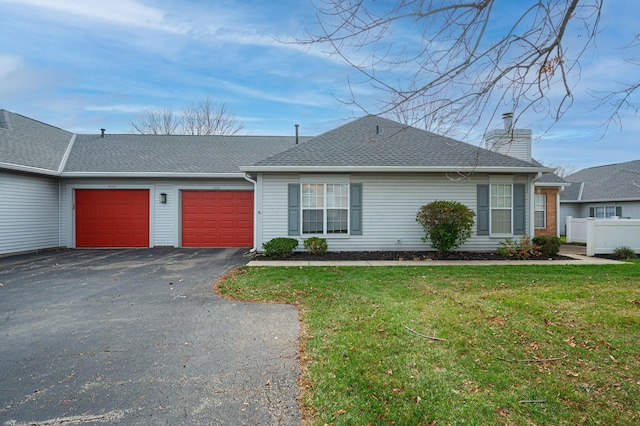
552	213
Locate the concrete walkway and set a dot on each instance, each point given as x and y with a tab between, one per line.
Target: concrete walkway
576	253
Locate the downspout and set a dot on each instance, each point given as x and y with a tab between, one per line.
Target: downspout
255	211
532	206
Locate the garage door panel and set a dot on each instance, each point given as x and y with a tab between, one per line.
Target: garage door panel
217	218
112	218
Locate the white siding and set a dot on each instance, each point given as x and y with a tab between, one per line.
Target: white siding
29	214
390	204
164	219
630	209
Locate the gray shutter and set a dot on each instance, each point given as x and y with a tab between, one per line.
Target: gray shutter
619	211
519	210
356	208
592	212
483	210
294	209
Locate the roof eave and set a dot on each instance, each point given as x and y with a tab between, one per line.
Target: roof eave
28	169
395	169
555	184
153	175
603	200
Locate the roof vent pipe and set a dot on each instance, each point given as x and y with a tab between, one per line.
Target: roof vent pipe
377	129
508	120
297	125
102	130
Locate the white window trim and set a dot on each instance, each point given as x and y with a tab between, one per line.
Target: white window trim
505	180
324	182
544	210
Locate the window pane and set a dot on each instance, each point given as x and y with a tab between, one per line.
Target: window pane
312	221
540	222
337	195
501	221
600	212
610	211
501	195
540	202
337	222
313	195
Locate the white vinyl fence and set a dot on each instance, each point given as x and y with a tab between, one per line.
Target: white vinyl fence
603	236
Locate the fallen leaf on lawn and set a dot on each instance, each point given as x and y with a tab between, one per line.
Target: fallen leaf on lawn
268	383
418	399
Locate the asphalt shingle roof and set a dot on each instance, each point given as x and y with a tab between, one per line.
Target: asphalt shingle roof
374	141
620	181
28	142
117	153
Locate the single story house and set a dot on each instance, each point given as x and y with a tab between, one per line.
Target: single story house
602	192
359	185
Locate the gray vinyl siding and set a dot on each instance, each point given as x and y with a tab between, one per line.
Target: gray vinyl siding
164	219
389	206
28	212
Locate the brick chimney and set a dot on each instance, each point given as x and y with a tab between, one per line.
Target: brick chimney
509	140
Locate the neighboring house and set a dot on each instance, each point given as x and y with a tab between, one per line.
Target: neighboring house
603	192
360	186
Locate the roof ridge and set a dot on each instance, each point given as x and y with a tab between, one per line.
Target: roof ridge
5	124
10	113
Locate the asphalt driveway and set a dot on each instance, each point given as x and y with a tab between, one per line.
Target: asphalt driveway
139	337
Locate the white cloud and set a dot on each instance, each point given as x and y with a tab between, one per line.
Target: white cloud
123	12
123	108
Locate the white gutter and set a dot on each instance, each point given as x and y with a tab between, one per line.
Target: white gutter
153	174
255	211
395	169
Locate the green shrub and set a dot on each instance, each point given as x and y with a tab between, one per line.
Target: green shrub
549	246
523	249
624	252
447	224
280	248
315	245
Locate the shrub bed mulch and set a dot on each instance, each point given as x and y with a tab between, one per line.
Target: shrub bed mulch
404	255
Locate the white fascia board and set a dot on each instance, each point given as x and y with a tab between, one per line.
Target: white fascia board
551	184
154	175
28	169
603	200
394	169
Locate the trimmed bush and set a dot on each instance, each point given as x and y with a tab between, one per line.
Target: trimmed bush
315	245
624	252
549	246
523	249
447	224
281	247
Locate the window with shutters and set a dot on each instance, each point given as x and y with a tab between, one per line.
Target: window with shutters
325	208
541	211
501	208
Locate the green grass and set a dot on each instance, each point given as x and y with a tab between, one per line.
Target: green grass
362	366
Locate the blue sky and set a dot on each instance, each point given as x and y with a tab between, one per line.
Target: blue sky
86	64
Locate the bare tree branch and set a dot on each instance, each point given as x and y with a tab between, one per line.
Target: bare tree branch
204	117
454	62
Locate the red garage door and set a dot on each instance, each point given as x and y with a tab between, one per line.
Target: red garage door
112	218
217	218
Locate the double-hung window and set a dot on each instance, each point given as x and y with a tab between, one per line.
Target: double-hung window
501	208
604	212
540	211
325	208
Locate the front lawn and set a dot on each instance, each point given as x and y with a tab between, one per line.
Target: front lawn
521	345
